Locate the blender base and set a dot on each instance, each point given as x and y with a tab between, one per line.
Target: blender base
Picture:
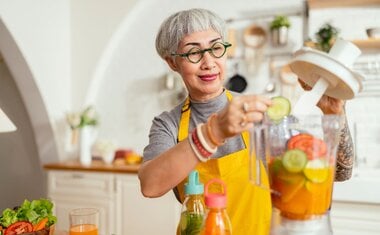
320	225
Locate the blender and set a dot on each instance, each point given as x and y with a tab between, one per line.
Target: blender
299	151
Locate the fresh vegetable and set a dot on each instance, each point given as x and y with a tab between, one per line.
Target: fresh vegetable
294	160
279	109
40	225
19	228
312	146
37	213
317	171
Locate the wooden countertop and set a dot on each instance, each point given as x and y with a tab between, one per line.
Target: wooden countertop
96	166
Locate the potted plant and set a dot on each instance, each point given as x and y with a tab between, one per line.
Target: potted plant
84	123
279	28
326	37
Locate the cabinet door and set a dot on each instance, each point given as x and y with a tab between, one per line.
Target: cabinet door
72	189
137	215
355	218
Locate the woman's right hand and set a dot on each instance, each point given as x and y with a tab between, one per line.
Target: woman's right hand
239	115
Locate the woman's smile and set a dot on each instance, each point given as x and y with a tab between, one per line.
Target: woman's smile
208	77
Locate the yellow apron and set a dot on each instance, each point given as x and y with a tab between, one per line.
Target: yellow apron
248	207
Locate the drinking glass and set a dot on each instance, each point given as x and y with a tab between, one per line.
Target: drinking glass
84	221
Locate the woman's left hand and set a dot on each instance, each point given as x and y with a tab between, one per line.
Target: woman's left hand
327	104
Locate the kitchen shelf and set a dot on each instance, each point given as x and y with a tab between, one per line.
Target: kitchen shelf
363	44
368	44
315	4
96	166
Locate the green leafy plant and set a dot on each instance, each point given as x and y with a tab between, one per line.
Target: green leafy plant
32	212
326	36
87	117
280	21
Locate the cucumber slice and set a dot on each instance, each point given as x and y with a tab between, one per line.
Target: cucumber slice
294	160
279	109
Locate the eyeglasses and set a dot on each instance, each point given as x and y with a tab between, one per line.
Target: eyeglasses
195	54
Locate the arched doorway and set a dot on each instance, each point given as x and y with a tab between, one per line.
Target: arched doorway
23	152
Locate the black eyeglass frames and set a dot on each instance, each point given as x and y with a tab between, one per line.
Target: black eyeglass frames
195	54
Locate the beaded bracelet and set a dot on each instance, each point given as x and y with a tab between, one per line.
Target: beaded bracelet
203	141
199	146
211	136
195	150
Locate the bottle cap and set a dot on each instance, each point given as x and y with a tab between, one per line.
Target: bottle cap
216	200
193	186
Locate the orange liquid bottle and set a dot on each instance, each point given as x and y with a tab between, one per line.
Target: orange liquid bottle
84	229
217	221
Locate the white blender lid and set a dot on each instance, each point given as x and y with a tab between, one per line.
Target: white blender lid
311	65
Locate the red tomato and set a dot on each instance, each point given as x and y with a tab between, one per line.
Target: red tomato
19	228
313	147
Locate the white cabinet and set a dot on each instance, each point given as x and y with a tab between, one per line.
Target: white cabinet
356	204
353	218
69	190
123	209
138	215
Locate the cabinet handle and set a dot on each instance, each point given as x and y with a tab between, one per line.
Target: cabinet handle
77	176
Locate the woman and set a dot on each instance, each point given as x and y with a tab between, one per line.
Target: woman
207	131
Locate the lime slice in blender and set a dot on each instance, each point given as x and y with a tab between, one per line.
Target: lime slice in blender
279	109
317	170
275	166
294	160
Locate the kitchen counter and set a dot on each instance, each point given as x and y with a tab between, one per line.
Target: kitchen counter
96	166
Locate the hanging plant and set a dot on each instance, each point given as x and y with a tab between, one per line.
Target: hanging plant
326	36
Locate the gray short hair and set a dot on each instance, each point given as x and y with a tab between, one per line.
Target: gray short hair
182	23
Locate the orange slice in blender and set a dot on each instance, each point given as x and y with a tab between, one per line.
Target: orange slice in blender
317	170
290	191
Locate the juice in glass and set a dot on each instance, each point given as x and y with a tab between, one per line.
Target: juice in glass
84	221
84	229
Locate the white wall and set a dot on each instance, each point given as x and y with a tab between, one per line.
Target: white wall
92	25
41	29
61	42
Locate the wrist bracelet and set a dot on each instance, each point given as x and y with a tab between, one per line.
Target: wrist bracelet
211	136
195	150
203	141
199	146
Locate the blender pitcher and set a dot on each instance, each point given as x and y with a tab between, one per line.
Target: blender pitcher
298	155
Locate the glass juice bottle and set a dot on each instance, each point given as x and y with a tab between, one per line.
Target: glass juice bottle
193	207
217	221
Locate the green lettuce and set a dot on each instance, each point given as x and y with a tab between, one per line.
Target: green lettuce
33	212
